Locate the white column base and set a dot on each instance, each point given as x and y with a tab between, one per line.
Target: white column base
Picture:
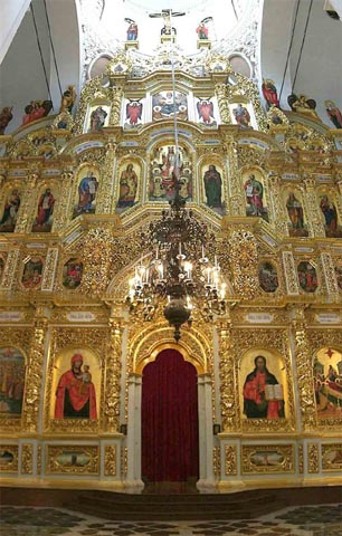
133	486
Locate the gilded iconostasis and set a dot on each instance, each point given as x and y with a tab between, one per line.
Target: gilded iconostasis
78	189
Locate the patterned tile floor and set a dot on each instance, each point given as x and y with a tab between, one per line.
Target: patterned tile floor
297	521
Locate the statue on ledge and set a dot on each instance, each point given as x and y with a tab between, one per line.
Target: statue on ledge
5	117
302	105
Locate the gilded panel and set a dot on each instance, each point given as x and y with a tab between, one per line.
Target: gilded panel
110	460
73	460
9	455
27	459
267	459
230	460
332	457
313	457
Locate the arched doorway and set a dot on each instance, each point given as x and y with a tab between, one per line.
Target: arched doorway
169	419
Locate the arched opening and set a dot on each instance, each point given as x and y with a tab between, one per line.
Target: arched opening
169	419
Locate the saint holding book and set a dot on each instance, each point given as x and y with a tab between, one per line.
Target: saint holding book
262	393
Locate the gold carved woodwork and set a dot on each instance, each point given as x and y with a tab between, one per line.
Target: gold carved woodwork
300	459
39	459
147	340
97	255
10	463
113	377
267	459
313	457
304	372
327	267
230	460
332	457
228	399
71	459
223	103
243	258
105	200
217	462
11	269
110	460
290	273
50	266
124	462
27	459
34	374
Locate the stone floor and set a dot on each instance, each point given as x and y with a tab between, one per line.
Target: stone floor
298	521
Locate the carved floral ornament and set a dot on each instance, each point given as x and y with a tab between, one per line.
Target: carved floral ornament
146	343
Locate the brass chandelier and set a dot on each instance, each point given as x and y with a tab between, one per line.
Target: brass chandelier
177	275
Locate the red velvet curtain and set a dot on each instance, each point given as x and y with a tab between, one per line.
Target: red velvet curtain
169	419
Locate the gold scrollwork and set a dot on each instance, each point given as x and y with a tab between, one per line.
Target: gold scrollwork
313	457
110	460
217	462
230	460
27	459
35	374
229	405
113	376
124	462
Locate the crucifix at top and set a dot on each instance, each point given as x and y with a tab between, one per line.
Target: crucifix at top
168	32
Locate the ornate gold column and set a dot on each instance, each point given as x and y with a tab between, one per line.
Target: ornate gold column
49	270
229	410
34	372
10	271
61	215
221	92
279	215
236	195
327	267
107	184
27	201
113	376
290	273
305	381
314	221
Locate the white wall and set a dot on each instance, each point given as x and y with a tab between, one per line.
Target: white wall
12	13
21	72
320	73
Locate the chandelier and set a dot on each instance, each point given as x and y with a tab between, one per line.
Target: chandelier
176	274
